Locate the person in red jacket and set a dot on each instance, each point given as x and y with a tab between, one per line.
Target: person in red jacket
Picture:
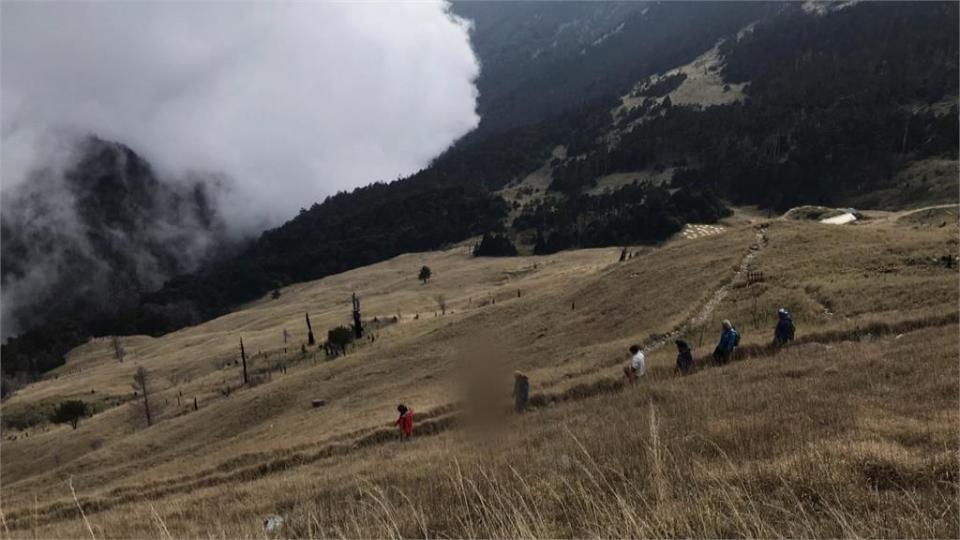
405	422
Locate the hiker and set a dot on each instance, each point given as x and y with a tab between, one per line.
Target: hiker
785	328
405	422
684	358
521	391
729	339
637	365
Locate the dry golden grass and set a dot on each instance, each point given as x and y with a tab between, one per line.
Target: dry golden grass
850	432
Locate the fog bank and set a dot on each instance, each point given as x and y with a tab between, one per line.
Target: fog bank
290	101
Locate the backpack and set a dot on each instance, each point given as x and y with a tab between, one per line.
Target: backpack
791	330
736	336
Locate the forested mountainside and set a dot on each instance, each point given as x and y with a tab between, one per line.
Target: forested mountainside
834	106
542	58
694	104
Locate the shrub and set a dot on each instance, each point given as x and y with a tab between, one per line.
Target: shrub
339	338
70	412
425	274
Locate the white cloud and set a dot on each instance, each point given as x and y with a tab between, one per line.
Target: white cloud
294	101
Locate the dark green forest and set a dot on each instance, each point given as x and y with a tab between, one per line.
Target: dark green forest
829	114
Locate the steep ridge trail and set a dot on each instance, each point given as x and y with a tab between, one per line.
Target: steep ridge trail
707	310
700	314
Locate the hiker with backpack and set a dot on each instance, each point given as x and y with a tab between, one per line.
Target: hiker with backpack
637	365
521	391
729	339
684	358
405	422
785	329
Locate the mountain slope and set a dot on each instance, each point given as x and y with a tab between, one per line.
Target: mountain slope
851	413
543	58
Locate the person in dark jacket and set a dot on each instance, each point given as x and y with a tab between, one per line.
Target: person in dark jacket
684	358
521	391
728	342
785	328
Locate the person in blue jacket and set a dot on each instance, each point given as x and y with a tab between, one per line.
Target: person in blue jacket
785	328
729	339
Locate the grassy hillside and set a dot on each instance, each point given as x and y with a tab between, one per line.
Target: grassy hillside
850	431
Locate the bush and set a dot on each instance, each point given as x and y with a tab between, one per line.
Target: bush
70	412
425	274
338	338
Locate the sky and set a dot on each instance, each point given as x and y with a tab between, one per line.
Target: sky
290	101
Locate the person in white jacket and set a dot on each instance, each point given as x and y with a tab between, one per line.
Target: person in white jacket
637	365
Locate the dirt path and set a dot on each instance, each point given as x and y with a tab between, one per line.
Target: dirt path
702	314
706	311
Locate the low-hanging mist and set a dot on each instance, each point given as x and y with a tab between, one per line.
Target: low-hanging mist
271	106
83	242
292	101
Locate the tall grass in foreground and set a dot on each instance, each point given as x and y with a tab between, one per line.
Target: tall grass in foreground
854	441
811	496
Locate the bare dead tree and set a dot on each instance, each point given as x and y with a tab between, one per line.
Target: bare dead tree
118	350
141	384
441	301
243	358
357	324
310	339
